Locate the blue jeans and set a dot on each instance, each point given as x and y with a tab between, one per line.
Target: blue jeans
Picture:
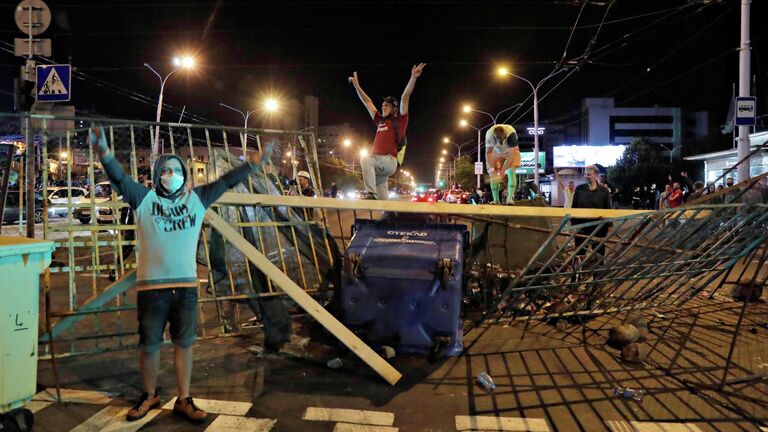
177	306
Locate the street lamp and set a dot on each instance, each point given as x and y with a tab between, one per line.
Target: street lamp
503	71
363	153
445	152
347	142
465	124
271	105
185	62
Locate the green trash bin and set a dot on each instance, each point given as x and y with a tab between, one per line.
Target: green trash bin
21	262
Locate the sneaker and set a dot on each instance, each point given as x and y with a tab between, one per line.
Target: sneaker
143	406
187	409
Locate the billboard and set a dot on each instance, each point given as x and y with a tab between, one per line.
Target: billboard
526	162
575	156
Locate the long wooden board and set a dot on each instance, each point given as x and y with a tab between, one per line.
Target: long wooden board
390	374
233	198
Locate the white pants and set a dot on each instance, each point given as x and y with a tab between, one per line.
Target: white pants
376	171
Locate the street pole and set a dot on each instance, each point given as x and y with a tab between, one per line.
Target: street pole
156	143
744	90
535	137
478	157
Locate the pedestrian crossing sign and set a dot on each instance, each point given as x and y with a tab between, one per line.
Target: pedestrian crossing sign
54	83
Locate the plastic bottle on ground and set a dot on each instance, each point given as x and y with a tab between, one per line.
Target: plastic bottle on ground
486	381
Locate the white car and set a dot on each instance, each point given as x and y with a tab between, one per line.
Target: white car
453	196
102	193
57	198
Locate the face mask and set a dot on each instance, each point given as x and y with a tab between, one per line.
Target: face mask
172	182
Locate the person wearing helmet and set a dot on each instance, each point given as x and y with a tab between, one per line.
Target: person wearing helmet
305	184
169	218
391	124
502	157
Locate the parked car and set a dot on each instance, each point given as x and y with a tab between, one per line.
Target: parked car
102	193
11	211
57	198
464	198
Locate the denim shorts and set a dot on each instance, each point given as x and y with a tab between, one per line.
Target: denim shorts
176	306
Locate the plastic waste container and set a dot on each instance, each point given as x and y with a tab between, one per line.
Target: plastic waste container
402	286
21	262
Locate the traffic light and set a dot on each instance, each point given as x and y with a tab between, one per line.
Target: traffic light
23	97
441	183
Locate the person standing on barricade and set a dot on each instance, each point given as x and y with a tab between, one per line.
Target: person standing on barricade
502	157
389	143
169	218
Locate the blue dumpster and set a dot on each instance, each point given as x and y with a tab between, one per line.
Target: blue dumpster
402	285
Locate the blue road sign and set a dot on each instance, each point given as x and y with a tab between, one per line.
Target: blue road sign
746	111
54	83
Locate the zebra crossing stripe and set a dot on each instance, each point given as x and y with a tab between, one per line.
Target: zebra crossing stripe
112	419
491	423
225	423
217	406
376	418
76	396
619	426
637	426
349	427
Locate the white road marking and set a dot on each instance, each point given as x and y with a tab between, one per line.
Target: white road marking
225	423
637	426
619	426
348	427
217	406
349	416
491	423
76	396
36	406
112	419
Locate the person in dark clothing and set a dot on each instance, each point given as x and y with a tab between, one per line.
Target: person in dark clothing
334	190
591	195
305	185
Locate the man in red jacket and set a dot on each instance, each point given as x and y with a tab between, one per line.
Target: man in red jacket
675	198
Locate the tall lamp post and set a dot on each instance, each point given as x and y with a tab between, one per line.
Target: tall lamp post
502	71
185	62
464	123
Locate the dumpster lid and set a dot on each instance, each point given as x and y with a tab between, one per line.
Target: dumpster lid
16	245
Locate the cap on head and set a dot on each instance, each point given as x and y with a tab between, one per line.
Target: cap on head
303	174
391	100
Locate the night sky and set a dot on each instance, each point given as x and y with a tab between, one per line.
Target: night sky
670	53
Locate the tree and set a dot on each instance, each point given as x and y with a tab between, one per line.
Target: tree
333	169
465	172
640	165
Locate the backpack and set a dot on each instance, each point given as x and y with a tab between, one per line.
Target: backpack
400	142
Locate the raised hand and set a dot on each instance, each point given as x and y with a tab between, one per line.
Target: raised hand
416	70
353	79
98	139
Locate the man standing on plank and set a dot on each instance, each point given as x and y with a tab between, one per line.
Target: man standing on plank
390	133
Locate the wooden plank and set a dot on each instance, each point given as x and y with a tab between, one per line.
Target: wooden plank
112	291
390	374
233	198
